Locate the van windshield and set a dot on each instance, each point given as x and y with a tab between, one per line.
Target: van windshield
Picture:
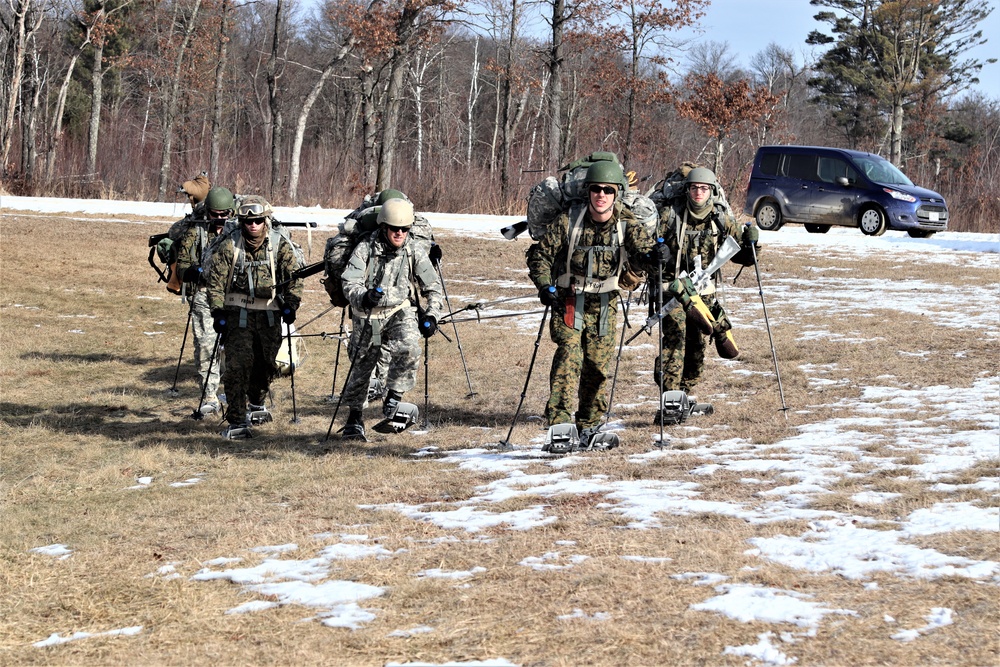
881	170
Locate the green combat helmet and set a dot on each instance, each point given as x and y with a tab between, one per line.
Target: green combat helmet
704	176
607	171
388	194
220	199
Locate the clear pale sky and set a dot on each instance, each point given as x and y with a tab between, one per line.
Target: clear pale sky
750	25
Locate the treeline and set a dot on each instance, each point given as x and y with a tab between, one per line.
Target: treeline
464	104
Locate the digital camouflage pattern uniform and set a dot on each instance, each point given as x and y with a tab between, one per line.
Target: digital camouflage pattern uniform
242	282
191	250
688	237
585	346
391	327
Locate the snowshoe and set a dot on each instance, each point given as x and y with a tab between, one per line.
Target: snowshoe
593	439
561	439
674	408
354	431
258	414
237	432
209	408
398	417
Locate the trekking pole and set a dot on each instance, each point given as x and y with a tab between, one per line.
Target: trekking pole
524	392
770	338
354	358
461	353
614	378
173	389
427	393
316	318
291	369
196	415
336	360
659	306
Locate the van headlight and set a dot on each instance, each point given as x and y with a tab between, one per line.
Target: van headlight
902	196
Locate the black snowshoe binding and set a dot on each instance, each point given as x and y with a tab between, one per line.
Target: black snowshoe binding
561	439
593	439
237	432
258	414
399	416
677	406
354	429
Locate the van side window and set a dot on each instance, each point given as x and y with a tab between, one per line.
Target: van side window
769	164
831	168
801	166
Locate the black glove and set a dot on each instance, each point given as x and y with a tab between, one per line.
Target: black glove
549	296
372	298
288	314
219	321
192	274
428	325
750	235
435	253
662	253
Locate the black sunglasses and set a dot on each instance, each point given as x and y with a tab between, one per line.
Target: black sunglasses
606	189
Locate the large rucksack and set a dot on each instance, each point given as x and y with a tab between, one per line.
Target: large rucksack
357	225
673	185
568	194
553	196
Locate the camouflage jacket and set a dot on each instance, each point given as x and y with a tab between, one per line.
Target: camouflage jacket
239	277
399	272
193	245
594	255
701	238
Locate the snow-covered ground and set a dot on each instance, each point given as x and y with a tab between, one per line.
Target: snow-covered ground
952	429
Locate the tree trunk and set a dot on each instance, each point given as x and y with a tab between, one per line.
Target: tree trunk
220	76
55	131
21	32
274	101
369	157
896	133
555	86
390	122
506	125
96	101
300	127
470	107
171	111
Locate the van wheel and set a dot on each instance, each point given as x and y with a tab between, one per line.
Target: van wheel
872	221
769	216
817	229
920	233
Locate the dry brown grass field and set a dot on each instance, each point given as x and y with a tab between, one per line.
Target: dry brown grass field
88	350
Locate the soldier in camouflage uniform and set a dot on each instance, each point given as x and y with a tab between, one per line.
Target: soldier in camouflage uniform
381	282
694	225
575	267
219	206
247	308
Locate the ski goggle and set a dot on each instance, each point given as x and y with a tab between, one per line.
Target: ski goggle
253	210
603	189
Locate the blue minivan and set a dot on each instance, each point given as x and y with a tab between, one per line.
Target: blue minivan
821	187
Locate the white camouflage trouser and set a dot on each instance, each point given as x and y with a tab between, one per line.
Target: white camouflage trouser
204	336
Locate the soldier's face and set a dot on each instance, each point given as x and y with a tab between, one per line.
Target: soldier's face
396	235
602	197
699	192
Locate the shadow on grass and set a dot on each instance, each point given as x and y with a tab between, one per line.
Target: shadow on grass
92	358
